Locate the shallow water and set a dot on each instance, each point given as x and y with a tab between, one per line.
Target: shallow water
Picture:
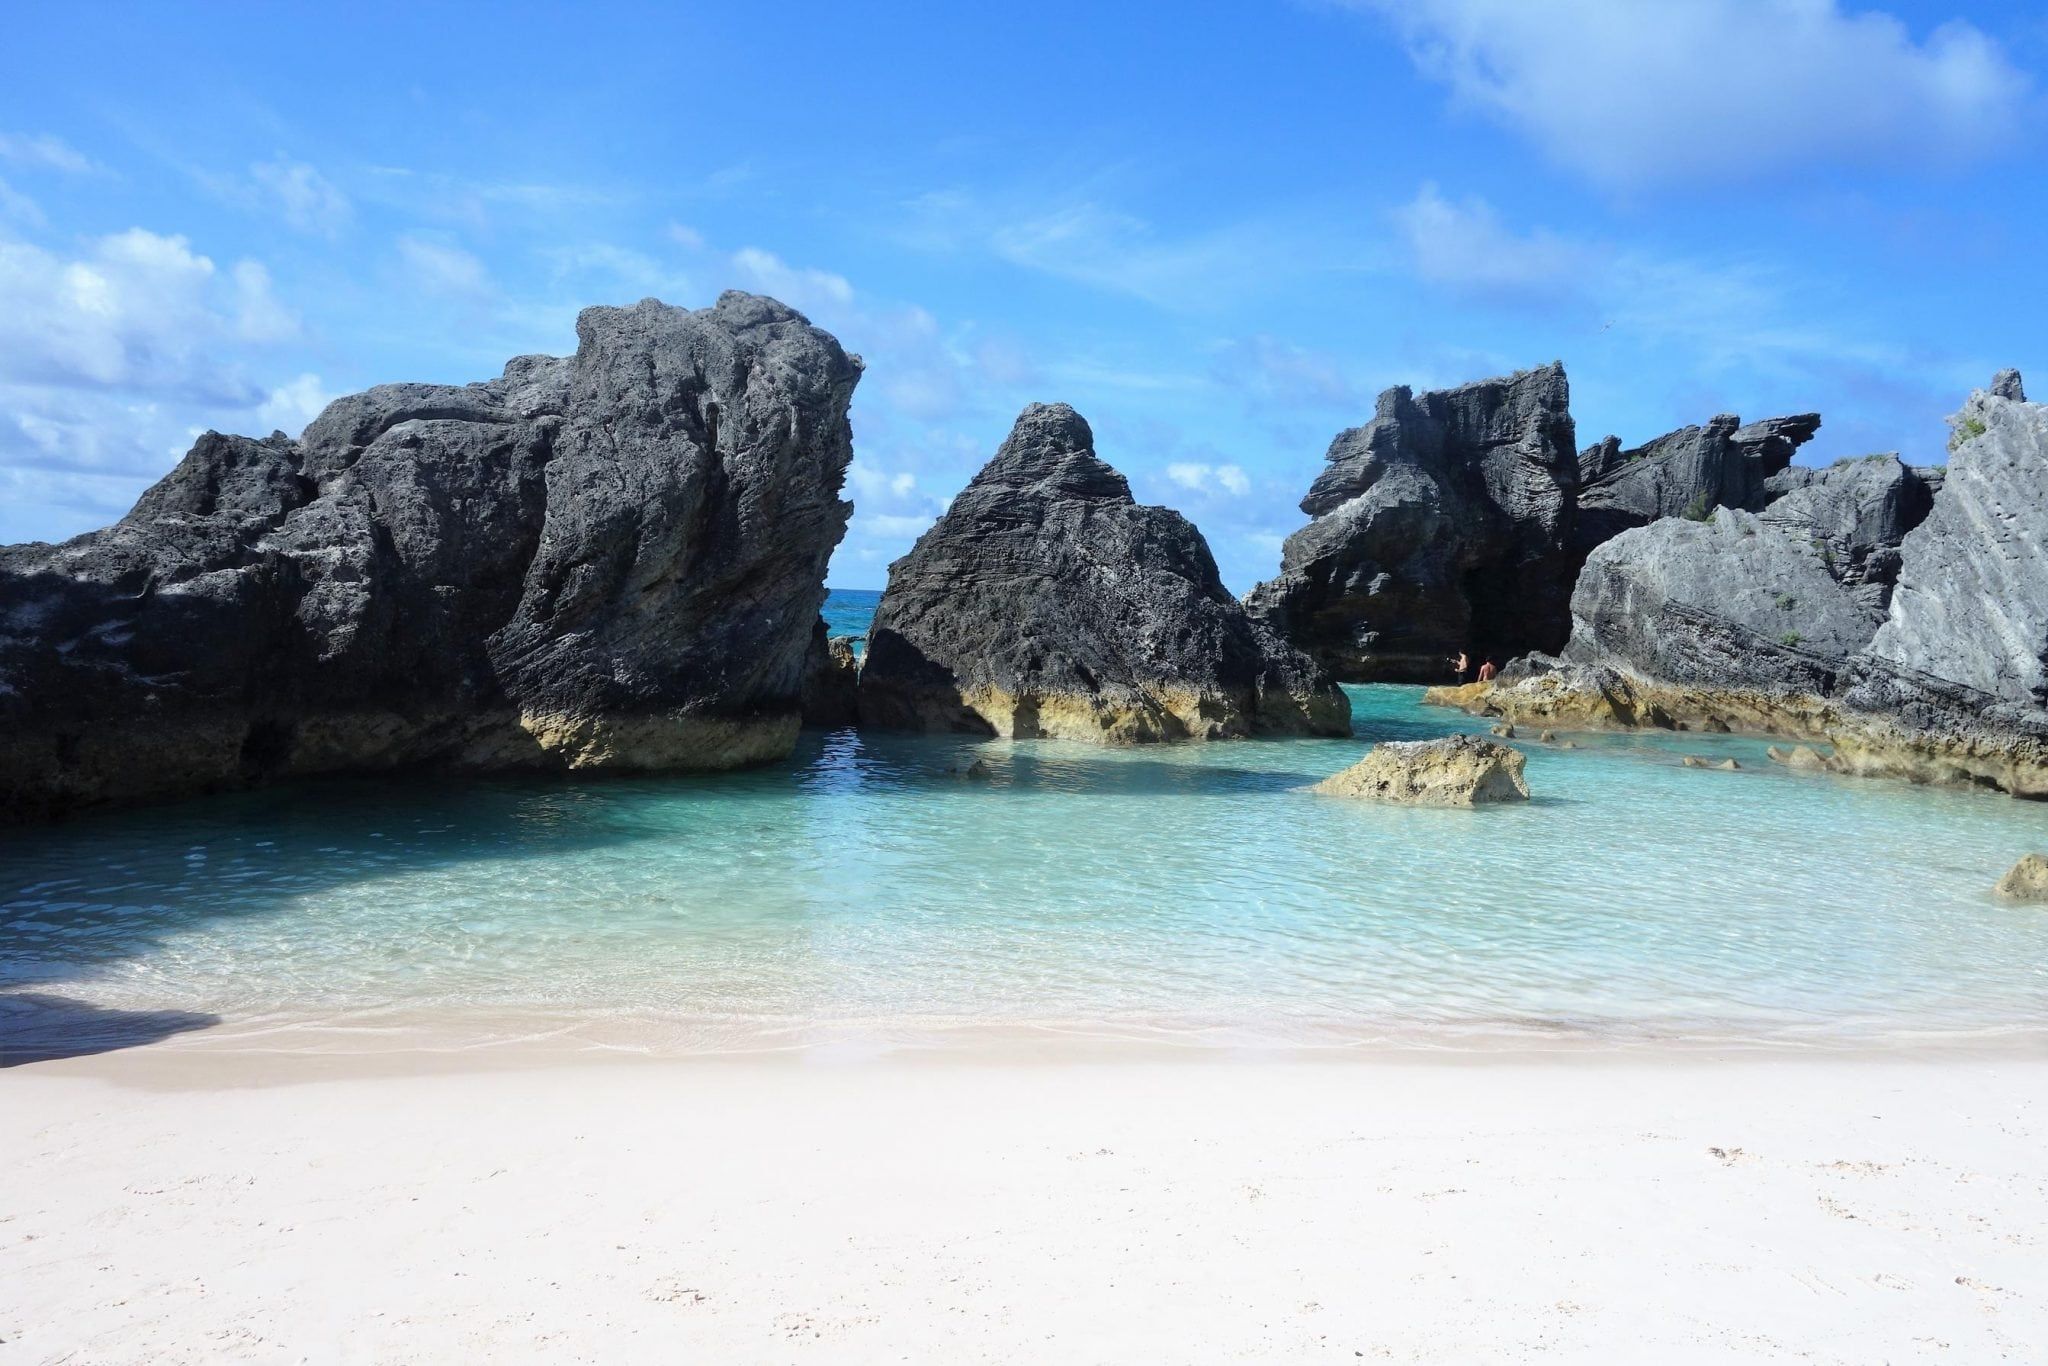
862	894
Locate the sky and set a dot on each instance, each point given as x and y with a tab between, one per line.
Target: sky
1218	230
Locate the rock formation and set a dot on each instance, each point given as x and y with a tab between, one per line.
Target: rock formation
831	681
1047	602
1442	525
2026	880
1686	473
608	560
1914	615
1458	770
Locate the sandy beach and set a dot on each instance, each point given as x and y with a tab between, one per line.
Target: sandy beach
184	1205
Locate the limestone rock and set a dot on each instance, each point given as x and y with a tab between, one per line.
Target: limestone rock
1971	605
2006	384
1800	758
1048	602
1440	526
1734	602
1686	473
2026	880
1857	514
1459	770
608	560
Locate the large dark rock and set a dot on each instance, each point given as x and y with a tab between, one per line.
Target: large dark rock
1686	473
1047	602
1443	525
609	560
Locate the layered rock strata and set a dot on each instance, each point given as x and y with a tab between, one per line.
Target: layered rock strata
610	560
1048	602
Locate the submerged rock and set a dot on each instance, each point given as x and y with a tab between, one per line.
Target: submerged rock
1440	526
2026	880
1048	602
607	560
1800	759
1458	770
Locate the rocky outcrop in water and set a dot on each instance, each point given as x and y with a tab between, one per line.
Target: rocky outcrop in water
611	560
1928	660
1442	525
2026	880
1048	602
1458	770
831	681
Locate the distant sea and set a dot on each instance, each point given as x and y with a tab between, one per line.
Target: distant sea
849	610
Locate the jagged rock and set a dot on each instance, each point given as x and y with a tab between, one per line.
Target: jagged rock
1729	603
1047	602
1441	526
608	560
1686	473
1698	761
2026	880
2007	384
1856	513
1504	731
831	681
1458	770
1971	605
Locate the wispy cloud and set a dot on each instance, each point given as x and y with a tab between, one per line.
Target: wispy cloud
309	201
43	151
441	268
1628	93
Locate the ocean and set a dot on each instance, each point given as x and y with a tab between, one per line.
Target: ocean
865	895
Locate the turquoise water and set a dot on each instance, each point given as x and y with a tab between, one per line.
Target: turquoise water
849	610
862	894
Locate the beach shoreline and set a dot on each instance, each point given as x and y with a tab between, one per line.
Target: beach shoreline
171	1204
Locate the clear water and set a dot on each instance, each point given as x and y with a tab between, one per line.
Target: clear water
863	894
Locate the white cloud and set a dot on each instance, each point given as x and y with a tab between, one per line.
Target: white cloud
137	310
441	268
1627	92
1280	371
688	238
802	289
1200	478
292	405
311	202
1464	245
46	152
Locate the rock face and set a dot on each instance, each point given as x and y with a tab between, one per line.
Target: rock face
1458	770
1686	473
1733	602
1971	606
1442	525
1929	660
1047	602
608	560
831	681
1857	514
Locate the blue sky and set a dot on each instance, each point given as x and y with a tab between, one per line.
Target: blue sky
1217	229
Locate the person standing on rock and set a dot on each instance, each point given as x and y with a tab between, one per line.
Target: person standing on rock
1462	664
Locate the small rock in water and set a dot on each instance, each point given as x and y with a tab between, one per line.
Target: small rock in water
1459	770
1800	758
1729	766
977	771
2027	880
1505	730
1548	737
1567	744
1696	761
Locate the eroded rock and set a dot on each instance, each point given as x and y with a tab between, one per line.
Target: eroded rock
1458	770
2026	880
1048	602
607	560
